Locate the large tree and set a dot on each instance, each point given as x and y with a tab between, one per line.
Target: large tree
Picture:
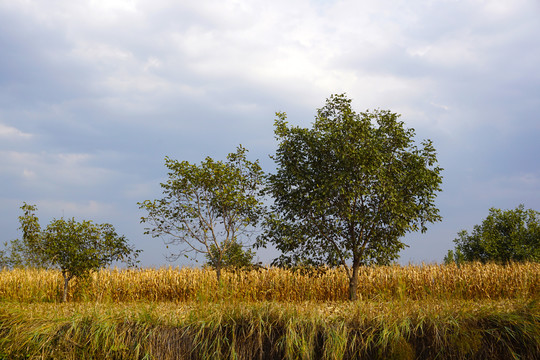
207	208
76	248
349	188
504	236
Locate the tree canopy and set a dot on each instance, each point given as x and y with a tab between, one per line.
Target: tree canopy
347	189
207	208
504	236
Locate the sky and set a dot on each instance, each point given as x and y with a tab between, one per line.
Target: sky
95	94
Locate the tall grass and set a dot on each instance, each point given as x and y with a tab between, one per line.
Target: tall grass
468	282
422	329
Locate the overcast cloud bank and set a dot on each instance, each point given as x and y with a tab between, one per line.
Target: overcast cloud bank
94	94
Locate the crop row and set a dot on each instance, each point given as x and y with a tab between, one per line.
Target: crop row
467	282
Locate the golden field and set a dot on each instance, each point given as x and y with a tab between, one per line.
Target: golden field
473	311
467	282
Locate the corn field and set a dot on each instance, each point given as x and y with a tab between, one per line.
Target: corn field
473	311
467	282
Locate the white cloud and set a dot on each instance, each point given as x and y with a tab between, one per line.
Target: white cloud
99	54
140	191
112	6
87	210
12	133
28	174
54	171
152	63
456	51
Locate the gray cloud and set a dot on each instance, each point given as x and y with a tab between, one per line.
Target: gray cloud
93	96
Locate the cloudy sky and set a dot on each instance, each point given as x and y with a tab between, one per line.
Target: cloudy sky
94	94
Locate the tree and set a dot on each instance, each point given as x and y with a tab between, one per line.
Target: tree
503	236
207	207
346	190
234	257
453	257
29	250
4	260
76	248
79	247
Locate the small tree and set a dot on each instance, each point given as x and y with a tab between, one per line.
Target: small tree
234	257
504	236
76	248
453	257
348	189
207	207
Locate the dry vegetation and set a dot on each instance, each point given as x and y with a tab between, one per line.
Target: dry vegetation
471	312
468	282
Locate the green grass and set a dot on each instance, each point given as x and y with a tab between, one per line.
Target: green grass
270	330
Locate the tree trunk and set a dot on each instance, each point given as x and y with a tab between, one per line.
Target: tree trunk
66	282
353	281
218	272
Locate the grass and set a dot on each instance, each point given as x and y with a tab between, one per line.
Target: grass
423	312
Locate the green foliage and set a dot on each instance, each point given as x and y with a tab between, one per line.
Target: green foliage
207	207
235	256
29	250
76	248
4	260
348	188
454	257
504	236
